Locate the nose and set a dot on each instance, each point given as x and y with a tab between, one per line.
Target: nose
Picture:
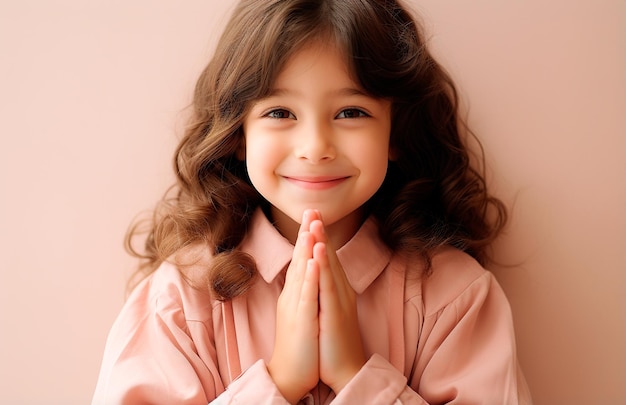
315	143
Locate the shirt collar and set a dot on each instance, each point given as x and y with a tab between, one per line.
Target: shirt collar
363	258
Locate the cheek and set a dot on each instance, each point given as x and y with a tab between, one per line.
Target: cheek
259	151
261	161
372	154
374	160
379	171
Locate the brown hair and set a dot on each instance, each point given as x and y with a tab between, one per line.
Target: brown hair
431	196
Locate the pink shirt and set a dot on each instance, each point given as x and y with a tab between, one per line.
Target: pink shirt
446	338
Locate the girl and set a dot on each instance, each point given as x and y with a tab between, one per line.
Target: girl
324	241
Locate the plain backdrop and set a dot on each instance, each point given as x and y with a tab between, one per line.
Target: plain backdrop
92	102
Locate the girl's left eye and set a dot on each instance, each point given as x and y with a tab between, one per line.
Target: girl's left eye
352	113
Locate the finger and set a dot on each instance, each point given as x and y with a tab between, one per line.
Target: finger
335	290
327	285
308	216
318	230
309	298
303	251
331	259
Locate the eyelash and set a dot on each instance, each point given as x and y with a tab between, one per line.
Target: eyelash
359	113
287	114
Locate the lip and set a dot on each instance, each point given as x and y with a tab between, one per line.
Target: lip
316	182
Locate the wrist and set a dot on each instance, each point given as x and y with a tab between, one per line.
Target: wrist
347	376
286	386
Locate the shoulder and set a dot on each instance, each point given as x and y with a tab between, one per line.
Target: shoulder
176	286
165	324
455	274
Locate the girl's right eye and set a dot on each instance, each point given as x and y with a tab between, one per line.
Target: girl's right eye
279	114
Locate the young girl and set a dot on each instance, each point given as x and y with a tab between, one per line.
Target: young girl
324	241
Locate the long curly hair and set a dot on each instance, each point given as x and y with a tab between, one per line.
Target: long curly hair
432	194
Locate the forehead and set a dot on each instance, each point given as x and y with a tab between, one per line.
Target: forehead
316	60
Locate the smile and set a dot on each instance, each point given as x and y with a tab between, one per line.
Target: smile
316	182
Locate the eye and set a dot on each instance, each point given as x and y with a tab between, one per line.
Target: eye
280	114
352	113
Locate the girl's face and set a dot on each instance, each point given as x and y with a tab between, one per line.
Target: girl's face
317	141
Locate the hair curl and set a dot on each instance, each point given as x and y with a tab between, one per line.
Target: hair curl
431	196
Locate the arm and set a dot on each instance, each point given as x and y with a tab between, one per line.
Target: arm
155	355
466	354
150	356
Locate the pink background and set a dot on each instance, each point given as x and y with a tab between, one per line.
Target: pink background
92	95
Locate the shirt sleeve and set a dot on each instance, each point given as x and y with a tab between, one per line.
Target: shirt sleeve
155	355
378	382
466	355
242	390
467	352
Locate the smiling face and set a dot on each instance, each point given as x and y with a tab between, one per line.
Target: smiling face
317	141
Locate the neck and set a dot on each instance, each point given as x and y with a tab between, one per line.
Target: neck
339	232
